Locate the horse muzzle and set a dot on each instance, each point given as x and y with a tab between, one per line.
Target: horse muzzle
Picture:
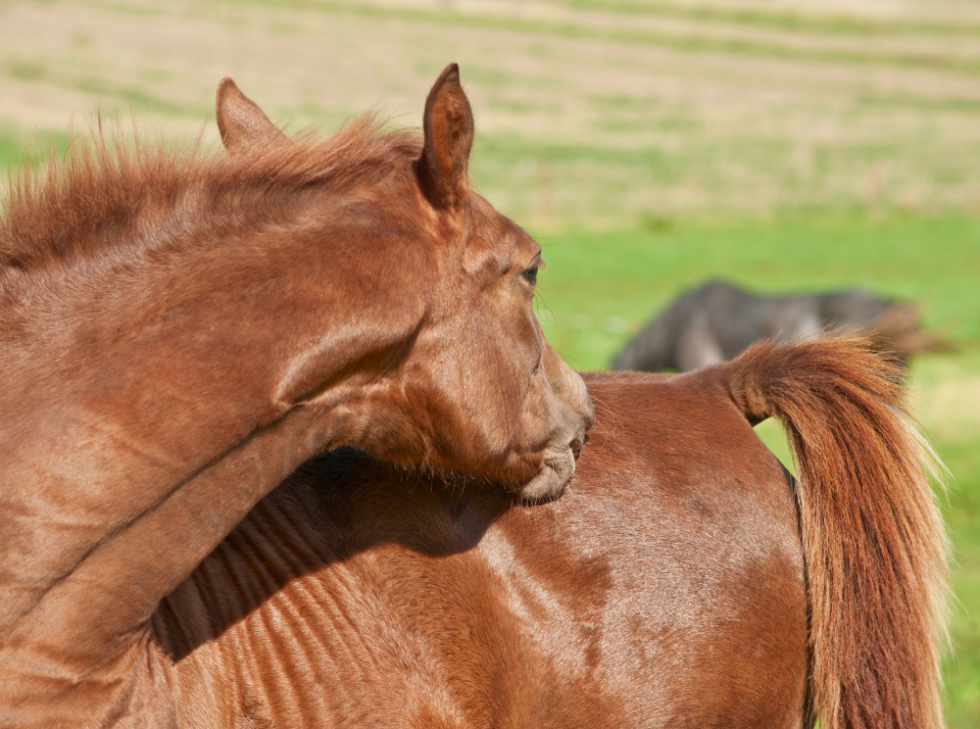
558	458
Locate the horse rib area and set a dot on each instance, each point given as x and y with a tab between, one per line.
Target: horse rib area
664	588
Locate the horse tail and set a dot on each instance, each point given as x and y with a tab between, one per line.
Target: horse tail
873	541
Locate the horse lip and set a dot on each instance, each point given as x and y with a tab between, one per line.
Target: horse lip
550	481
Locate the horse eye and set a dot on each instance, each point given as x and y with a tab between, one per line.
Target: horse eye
531	274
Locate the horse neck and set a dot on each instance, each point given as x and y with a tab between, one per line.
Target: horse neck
143	420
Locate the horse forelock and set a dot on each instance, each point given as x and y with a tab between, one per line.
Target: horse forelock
114	192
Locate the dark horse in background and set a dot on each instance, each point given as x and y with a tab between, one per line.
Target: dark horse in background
717	320
684	579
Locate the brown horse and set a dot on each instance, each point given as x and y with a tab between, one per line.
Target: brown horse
684	578
179	332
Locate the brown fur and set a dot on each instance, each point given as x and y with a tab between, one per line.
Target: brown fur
178	332
669	586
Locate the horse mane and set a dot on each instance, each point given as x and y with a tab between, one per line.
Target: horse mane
109	191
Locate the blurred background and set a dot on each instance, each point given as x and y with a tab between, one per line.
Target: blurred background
649	145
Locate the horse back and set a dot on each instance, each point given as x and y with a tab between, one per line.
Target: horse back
664	588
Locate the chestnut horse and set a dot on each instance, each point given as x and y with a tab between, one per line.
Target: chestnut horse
178	333
684	579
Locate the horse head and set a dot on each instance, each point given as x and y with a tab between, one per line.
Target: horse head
471	382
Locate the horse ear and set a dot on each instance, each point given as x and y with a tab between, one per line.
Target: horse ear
242	123
448	128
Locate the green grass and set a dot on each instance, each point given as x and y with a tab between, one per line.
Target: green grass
963	517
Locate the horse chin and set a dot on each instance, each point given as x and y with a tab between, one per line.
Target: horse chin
549	484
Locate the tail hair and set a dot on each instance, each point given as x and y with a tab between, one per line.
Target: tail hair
873	540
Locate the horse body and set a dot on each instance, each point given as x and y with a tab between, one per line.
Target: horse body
178	334
683	579
665	588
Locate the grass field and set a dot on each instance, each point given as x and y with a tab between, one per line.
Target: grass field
649	144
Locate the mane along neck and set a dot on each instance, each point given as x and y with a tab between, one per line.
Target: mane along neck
110	194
